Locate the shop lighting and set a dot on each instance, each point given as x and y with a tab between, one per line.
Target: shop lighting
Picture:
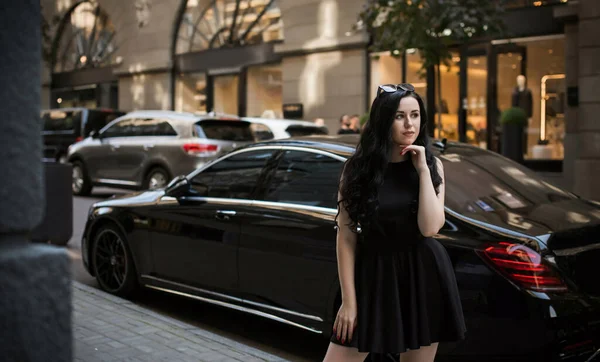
59	100
543	103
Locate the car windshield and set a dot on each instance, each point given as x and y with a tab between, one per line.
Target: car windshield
225	130
58	120
481	183
299	130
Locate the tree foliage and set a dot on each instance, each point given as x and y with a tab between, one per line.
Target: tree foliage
431	26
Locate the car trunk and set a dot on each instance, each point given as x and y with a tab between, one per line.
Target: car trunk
487	187
226	134
577	253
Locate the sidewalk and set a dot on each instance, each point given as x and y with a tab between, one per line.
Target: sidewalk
108	328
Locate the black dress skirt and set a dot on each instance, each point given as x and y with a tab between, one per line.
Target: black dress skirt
406	290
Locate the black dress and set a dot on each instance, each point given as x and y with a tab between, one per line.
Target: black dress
406	290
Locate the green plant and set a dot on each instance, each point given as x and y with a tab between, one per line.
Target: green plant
514	115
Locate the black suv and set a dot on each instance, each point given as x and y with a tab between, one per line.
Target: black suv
65	126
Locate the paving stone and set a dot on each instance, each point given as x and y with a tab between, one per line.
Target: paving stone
107	328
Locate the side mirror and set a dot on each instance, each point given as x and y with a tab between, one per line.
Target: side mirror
178	186
95	134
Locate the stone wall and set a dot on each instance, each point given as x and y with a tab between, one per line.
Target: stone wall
587	162
324	65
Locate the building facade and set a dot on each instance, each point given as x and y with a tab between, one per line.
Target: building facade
301	58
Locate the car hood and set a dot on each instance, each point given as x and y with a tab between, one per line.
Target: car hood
142	198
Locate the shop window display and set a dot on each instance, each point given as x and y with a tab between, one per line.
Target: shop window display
191	93
226	93
265	91
540	92
475	102
414	75
450	103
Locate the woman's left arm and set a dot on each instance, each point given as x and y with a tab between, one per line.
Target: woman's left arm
431	215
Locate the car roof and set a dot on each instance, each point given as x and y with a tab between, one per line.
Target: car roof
279	122
68	109
344	145
180	116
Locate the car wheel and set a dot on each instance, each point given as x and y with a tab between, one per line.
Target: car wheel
81	183
113	263
157	178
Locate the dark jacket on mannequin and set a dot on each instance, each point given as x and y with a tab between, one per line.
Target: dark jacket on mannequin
523	100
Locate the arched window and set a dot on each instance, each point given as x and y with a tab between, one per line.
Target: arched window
86	39
208	24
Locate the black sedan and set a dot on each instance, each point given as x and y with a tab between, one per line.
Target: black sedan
254	231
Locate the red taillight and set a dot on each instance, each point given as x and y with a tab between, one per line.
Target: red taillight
199	148
524	266
79	139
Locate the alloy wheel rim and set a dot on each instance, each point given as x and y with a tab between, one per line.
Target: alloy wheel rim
157	180
77	183
110	261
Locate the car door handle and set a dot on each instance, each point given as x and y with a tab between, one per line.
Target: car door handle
224	214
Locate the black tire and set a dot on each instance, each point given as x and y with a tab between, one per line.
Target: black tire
156	178
81	184
112	262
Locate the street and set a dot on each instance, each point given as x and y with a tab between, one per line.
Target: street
278	339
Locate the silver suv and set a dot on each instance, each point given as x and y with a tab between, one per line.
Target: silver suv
145	149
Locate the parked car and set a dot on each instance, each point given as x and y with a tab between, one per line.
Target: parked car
268	129
65	126
254	231
143	149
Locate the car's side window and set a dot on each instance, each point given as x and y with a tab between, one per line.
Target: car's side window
234	177
123	128
155	127
305	178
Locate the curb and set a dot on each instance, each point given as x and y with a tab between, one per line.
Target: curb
174	323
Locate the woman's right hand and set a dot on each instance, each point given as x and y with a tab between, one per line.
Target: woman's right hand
345	322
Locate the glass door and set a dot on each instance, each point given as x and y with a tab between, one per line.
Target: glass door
510	60
226	93
475	102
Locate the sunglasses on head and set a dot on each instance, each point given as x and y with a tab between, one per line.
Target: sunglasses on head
390	88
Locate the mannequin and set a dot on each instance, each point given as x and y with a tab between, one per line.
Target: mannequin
522	98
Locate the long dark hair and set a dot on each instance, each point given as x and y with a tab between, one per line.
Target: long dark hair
364	172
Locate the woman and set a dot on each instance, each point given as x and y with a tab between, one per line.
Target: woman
399	292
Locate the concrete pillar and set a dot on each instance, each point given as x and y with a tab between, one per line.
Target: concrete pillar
587	162
35	302
571	142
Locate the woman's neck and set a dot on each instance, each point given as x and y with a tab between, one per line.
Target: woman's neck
396	156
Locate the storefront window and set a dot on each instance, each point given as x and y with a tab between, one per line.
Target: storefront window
414	74
265	91
191	93
386	68
226	93
542	95
475	102
449	104
210	24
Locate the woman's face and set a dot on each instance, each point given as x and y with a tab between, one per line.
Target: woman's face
407	122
